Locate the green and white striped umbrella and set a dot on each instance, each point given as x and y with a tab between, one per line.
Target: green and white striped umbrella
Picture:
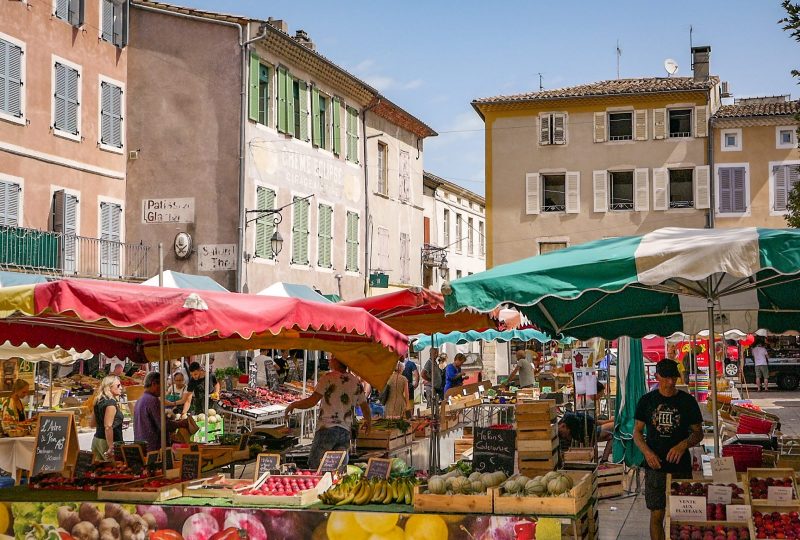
659	283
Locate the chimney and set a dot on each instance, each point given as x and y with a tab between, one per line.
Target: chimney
701	57
280	24
302	38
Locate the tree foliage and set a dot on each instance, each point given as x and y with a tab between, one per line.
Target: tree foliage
791	24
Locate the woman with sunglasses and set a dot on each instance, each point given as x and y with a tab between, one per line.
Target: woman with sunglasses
108	418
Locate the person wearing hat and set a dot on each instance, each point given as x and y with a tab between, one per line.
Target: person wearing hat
668	423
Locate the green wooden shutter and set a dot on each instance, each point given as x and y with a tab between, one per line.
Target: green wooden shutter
337	126
265	200
351	263
324	236
300	232
352	134
315	124
253	88
303	135
283	118
291	106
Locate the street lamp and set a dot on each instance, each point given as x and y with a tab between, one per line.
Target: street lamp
276	242
444	270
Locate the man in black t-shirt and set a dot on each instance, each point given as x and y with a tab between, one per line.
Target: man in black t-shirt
674	424
197	387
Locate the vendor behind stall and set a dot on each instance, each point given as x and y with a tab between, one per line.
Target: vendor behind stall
108	418
197	389
13	409
177	392
452	373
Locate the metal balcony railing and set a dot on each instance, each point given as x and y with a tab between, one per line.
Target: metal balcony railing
71	255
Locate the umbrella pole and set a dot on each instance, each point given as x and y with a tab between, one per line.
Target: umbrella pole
50	366
205	405
712	368
163	384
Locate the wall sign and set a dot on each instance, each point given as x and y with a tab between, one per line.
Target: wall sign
168	210
493	450
216	257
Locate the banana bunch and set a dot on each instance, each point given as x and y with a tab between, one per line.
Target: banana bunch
362	491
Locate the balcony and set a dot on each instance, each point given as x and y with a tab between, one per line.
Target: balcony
69	255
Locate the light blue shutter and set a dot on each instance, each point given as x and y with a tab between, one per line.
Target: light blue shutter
108	21
779	172
265	200
65	221
352	242
738	191
116	116
76	8
303	108
725	192
9	204
10	78
62	9
105	113
300	232
71	119
60	96
324	236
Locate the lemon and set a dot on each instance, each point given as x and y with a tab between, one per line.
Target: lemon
376	522
395	533
5	518
421	527
343	526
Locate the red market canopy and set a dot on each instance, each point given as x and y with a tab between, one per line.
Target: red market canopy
420	311
127	320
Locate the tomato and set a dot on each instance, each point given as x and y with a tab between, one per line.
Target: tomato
166	534
65	535
231	533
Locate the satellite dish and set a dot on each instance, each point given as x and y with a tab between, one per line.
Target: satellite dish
671	66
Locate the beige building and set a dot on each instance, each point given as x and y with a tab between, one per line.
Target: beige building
609	158
259	138
63	149
756	160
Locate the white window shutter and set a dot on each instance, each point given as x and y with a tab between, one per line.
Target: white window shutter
660	185
659	123
544	128
559	128
600	186
532	205
780	174
599	126
702	187
701	121
573	192
641	190
640	124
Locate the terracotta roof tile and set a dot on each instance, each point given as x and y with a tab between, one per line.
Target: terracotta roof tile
607	88
759	109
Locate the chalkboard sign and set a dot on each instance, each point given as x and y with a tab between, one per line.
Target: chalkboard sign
252	374
266	463
134	458
169	458
378	468
494	450
244	440
83	463
119	457
190	466
332	461
56	444
153	458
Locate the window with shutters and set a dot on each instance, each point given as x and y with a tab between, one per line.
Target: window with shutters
382	249
681	188
786	137
459	233
552	128
481	239
111	129
110	239
620	190
470	237
263	94
680	122
10	203
325	236
70	11
352	134
554	192
383	169
66	100
320	119
404	175
300	230
731	140
300	109
784	177
351	241
265	225
548	247
620	126
65	221
459	274
12	74
405	258
732	190
114	22
446	227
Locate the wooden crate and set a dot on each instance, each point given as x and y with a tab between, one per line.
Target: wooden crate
537	462
452	504
537	432
214	456
219	486
669	522
136	492
306	497
537	445
610	481
385	439
535	413
579	455
771	473
578	498
707	481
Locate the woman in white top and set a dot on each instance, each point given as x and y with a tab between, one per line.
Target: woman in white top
177	393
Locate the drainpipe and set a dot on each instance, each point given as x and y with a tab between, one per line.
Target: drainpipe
712	199
367	242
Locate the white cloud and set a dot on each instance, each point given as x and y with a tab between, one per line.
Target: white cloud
380	82
413	84
364	66
370	72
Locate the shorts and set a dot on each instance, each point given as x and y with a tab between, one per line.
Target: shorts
327	439
762	372
99	449
655	487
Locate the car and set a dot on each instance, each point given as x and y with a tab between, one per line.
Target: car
785	372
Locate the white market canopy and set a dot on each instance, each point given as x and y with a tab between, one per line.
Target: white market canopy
57	356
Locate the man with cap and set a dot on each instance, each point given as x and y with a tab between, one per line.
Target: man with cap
674	424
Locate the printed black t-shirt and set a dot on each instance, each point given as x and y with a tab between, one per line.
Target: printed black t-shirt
668	421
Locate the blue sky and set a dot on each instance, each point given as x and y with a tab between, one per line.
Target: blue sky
433	58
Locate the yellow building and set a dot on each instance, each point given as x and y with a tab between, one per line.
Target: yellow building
756	160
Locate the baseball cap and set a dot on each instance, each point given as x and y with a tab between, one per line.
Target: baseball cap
667	368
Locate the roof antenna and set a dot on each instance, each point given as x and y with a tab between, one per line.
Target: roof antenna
540	83
619	54
691	45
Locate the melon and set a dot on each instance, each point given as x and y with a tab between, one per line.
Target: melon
512	486
549	476
559	485
460	485
478	486
437	486
535	488
474	476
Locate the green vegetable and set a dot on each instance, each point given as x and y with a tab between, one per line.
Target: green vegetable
356	471
27	510
49	515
